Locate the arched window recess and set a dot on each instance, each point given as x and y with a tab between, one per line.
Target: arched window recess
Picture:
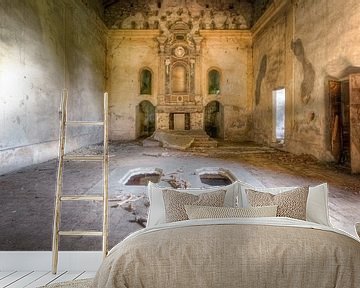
214	82
145	82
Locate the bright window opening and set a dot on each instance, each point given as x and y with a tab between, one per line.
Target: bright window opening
279	121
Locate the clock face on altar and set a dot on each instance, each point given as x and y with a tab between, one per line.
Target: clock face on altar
179	51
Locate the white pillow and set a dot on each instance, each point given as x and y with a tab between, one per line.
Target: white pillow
156	213
242	198
317	203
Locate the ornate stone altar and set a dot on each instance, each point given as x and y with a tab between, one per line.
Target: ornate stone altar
179	56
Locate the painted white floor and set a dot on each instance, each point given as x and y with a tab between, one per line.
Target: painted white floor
32	279
32	268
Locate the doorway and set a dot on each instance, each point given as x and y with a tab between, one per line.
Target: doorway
213	119
145	119
179	121
279	115
340	121
344	99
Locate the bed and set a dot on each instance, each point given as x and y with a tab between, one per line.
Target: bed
209	250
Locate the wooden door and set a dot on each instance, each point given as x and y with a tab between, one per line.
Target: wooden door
354	83
335	115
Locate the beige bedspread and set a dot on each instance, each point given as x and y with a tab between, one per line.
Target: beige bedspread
233	254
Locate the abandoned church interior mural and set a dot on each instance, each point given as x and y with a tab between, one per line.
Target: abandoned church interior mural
161	140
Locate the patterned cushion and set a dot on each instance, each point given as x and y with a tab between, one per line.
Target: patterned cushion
200	212
156	214
290	203
174	202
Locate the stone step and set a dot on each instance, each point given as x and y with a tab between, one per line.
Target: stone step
175	139
209	143
204	145
202	139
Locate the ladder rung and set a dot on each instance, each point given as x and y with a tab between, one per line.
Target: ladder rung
84	157
81	197
86	123
80	233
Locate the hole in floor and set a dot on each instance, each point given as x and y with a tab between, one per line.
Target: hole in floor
142	176
215	179
216	176
143	179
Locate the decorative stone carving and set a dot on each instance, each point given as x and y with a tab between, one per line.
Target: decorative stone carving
179	51
179	47
220	14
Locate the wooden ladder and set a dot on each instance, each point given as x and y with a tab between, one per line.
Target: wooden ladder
104	158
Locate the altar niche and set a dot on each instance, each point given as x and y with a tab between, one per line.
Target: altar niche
179	48
179	121
179	79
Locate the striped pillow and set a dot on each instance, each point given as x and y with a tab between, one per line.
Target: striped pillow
201	212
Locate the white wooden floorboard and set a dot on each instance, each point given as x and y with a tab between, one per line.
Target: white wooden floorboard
87	275
4	274
28	279
46	279
13	277
31	279
42	260
68	276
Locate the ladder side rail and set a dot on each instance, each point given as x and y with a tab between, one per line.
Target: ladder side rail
62	134
106	177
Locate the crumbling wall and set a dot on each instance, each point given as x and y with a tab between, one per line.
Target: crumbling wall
46	46
144	14
260	7
329	39
196	121
129	52
269	52
318	42
259	78
308	72
231	55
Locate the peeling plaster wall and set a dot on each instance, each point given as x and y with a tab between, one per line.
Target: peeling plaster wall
269	52
132	50
230	53
330	37
128	53
320	40
46	46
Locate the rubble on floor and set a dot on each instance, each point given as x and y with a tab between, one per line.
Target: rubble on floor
28	202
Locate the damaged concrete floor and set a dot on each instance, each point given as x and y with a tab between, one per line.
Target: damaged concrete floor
27	195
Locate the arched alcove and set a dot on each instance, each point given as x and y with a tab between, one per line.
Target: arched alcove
179	79
145	81
145	119
213	81
214	119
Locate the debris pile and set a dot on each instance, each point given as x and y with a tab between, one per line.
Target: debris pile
127	202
